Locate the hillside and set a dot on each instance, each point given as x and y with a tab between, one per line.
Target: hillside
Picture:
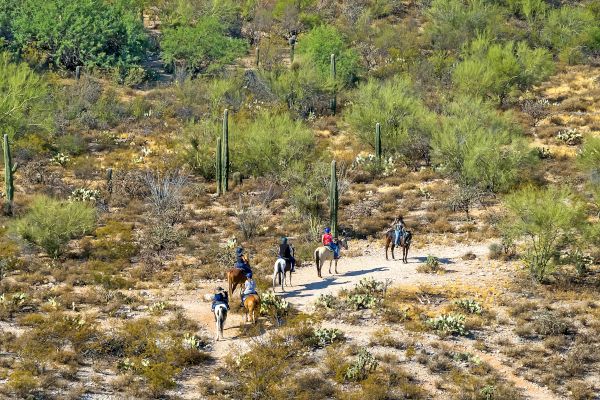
116	229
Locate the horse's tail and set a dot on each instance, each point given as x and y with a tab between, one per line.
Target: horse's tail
230	282
407	239
317	258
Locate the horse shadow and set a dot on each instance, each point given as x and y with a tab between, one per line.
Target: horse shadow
299	291
365	271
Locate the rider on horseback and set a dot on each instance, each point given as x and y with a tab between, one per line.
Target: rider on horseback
328	242
220	297
285	252
249	288
242	260
399	229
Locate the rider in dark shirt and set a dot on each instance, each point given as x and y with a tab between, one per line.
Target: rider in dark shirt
285	252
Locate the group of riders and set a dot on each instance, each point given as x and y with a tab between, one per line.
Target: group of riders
286	253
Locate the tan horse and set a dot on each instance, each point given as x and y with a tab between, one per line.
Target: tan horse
323	254
235	277
251	307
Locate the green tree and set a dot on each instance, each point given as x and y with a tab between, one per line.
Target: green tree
270	144
51	223
495	70
319	44
452	23
77	32
570	31
543	217
405	120
23	99
204	47
479	147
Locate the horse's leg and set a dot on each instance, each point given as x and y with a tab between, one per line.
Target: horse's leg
336	260
330	262
274	277
393	247
217	325
387	245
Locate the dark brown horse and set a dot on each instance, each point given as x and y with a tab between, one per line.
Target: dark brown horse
390	237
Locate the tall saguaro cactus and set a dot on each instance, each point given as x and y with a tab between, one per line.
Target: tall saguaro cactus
9	170
219	173
378	141
333	79
225	155
333	200
257	56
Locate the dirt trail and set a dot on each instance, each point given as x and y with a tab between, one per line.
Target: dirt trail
307	287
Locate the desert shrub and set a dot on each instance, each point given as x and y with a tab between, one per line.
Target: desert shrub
327	336
166	196
270	144
274	307
470	306
326	301
548	323
398	108
70	33
432	266
361	367
199	147
589	158
570	136
543	217
317	46
479	147
449	324
453	23
51	223
85	195
203	47
570	31
24	105
496	70
70	144
250	217
368	293
531	10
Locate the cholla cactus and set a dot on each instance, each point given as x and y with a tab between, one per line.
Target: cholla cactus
570	136
83	194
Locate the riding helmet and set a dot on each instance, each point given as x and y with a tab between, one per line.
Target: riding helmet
239	251
327	230
249	275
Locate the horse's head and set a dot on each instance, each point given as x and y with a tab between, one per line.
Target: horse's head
343	241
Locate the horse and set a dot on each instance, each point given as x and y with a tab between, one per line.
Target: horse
390	238
235	277
220	317
323	253
279	269
251	307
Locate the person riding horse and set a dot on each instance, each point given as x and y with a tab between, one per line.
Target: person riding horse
285	253
249	288
242	261
220	297
400	230
327	240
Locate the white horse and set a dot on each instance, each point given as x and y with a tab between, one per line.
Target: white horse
323	254
220	317
279	270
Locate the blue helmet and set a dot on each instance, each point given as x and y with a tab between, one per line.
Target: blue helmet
327	230
249	275
239	251
284	240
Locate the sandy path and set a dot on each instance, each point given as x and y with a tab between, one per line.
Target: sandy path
307	287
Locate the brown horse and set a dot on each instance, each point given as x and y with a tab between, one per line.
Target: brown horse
251	307
235	277
404	243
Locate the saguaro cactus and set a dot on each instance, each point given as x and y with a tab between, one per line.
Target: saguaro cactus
333	200
109	181
219	173
378	141
257	56
9	170
225	155
333	79
78	72
292	43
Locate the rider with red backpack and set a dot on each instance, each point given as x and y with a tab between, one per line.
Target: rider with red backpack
327	240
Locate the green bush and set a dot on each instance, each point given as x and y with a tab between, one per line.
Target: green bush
453	23
51	223
449	324
543	217
496	70
270	144
571	30
469	305
24	103
405	120
204	47
319	44
83	32
479	146
529	9
361	367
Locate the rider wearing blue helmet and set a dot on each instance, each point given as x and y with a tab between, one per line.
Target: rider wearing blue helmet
242	260
327	240
249	287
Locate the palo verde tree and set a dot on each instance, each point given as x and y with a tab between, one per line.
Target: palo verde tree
543	218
